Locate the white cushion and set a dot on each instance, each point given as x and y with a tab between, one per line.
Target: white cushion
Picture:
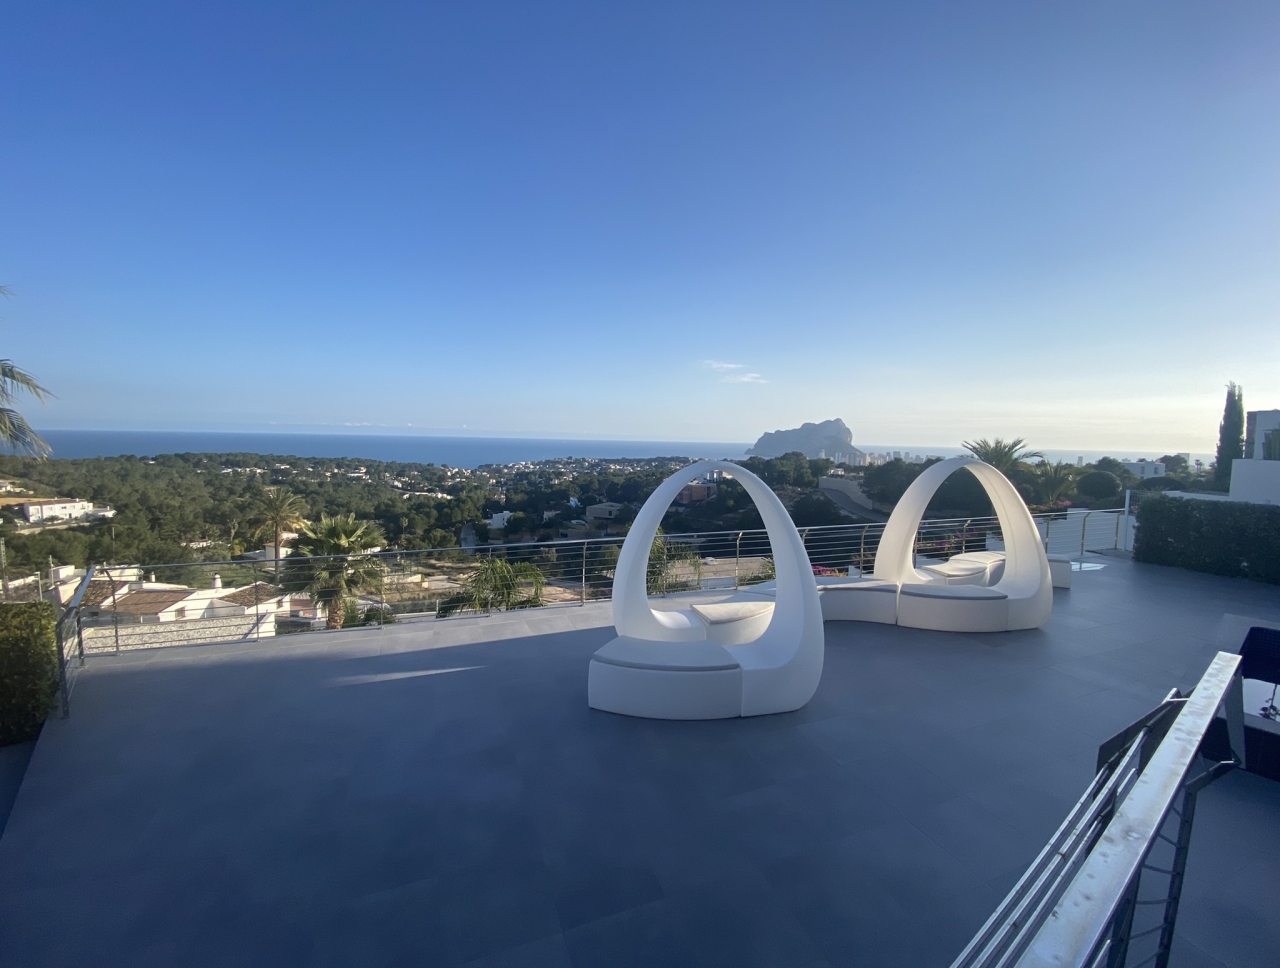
704	656
952	591
984	557
867	585
721	612
958	572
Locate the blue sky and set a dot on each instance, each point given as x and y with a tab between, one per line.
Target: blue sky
668	221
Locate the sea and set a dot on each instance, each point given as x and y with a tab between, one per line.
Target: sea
454	451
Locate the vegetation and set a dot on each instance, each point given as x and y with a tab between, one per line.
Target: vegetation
15	433
1098	485
1055	481
1003	455
498	584
279	510
1043	485
180	507
1231	538
1271	445
1230	437
661	576
333	570
28	669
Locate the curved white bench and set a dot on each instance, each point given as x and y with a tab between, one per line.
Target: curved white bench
953	608
759	653
860	600
665	680
1024	582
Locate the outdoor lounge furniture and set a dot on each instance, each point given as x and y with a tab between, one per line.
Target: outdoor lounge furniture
1060	570
860	600
953	608
1059	566
760	653
953	572
1022	598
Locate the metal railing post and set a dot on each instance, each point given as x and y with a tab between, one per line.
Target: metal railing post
737	558
65	702
582	597
1084	531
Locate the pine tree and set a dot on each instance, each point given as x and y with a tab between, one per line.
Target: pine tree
1230	437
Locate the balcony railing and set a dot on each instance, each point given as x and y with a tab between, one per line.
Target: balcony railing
248	600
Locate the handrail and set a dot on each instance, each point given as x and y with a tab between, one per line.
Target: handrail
989	522
1079	929
71	611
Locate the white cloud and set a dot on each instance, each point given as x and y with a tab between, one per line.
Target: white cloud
744	378
722	365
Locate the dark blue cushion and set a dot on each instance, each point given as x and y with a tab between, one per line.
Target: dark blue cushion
1260	655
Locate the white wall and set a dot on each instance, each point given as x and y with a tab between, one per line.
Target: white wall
1144	469
62	509
1257	481
1264	421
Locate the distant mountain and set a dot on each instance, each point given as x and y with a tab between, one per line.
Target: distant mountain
830	436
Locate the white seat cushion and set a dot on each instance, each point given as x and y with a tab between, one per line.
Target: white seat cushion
704	656
866	585
720	613
983	557
958	572
952	591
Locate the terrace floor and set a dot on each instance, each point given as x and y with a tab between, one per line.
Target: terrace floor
440	794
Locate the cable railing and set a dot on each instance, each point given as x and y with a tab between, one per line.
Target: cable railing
188	603
70	643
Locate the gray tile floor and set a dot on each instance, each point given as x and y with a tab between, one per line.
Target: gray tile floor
440	794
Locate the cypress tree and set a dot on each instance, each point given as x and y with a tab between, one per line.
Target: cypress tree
1230	436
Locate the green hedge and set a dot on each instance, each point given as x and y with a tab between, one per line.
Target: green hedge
1220	537
28	669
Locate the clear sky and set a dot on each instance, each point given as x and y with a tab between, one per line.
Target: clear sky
689	221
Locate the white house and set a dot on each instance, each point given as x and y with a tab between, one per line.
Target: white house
1144	469
1254	479
499	520
1257	425
64	509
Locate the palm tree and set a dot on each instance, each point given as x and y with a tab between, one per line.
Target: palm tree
336	568
1055	480
15	432
279	510
664	557
1003	455
498	583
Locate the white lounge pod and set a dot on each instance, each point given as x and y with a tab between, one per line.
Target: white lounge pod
778	671
1021	599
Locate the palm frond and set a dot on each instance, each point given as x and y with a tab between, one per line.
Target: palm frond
14	381
17	435
1003	455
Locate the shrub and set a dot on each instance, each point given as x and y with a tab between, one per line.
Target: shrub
28	669
376	615
1220	537
1097	485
